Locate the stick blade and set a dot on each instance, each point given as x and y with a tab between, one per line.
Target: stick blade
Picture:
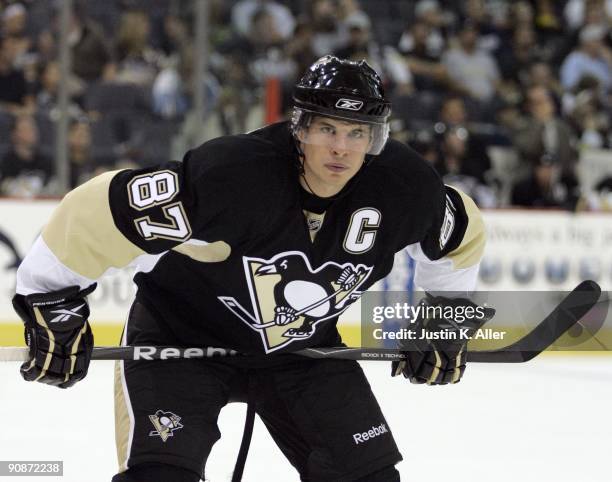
571	309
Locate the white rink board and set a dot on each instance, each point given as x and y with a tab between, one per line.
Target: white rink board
544	421
549	242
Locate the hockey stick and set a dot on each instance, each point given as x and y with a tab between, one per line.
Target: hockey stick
571	309
567	313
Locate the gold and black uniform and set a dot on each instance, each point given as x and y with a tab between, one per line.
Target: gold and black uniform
232	252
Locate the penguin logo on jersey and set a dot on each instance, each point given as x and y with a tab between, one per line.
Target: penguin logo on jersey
165	424
289	298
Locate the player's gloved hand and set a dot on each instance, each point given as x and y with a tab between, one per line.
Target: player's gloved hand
440	358
58	335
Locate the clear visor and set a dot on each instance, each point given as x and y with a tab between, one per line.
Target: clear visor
339	133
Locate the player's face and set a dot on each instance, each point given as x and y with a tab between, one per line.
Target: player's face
334	150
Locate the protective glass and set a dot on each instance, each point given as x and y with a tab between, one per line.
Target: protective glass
340	133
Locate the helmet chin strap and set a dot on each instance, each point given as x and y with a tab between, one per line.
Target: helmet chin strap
302	170
311	190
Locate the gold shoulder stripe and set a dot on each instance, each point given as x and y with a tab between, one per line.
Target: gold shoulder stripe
83	235
205	252
469	252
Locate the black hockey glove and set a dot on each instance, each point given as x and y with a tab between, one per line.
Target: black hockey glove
58	335
437	355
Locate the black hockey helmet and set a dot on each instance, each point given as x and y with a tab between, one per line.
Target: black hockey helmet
343	89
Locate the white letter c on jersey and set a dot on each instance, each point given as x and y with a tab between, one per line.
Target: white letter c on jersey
362	230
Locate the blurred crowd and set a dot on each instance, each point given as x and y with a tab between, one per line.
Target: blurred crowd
504	98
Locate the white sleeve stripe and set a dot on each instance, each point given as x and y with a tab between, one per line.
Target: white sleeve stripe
439	275
41	271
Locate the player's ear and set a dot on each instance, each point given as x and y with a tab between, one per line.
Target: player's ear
301	133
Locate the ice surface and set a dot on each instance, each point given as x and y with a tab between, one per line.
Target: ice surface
547	420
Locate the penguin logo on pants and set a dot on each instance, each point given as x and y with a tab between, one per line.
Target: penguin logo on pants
289	298
165	424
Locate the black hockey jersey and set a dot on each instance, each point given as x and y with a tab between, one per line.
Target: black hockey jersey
232	252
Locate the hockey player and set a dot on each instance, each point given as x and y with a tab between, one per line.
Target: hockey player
254	242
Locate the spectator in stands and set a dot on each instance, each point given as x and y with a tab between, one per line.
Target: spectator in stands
541	74
437	21
14	90
515	62
585	109
508	117
172	90
24	171
268	57
453	164
169	94
46	96
360	44
598	12
577	12
46	46
349	13
522	14
427	71
453	112
82	165
477	13
174	35
49	78
592	58
281	18
422	141
235	100
299	47
544	131
14	22
136	60
546	186
454	116
472	71
390	65
90	52
326	35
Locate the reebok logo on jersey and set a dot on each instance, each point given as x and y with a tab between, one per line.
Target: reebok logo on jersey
349	104
362	437
64	314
